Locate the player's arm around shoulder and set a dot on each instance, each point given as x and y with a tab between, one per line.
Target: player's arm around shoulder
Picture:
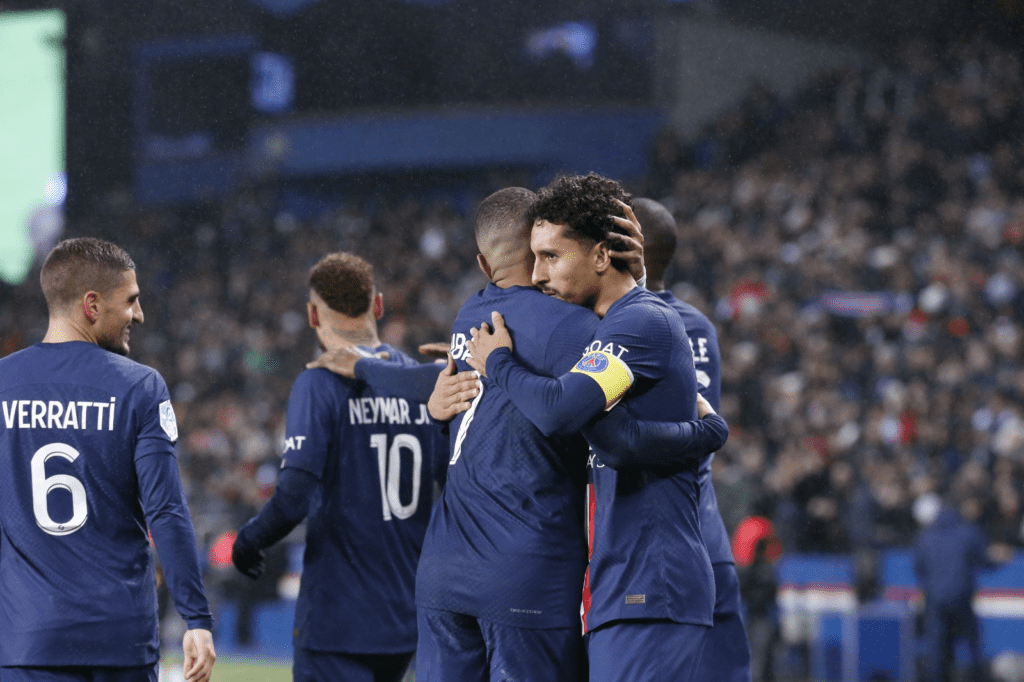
629	443
317	397
554	405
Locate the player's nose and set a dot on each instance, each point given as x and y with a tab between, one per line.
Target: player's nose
539	273
137	316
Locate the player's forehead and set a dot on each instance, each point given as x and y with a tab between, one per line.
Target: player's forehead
129	286
548	236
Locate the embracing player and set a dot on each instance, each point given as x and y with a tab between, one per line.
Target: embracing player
649	593
506	535
360	462
726	655
87	467
498	584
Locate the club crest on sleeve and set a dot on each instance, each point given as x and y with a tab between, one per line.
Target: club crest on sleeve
594	362
167	421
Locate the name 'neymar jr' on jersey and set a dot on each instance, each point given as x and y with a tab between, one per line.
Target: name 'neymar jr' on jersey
360	463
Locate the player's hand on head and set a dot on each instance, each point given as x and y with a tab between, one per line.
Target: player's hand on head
248	560
628	243
453	392
342	360
484	341
437	350
199	655
704	407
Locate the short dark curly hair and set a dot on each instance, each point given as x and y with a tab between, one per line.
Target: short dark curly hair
344	281
584	204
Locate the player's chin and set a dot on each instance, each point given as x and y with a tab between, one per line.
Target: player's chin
118	345
118	348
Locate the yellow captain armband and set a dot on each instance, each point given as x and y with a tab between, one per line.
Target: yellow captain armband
611	374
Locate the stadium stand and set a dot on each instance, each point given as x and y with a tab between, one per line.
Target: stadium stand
859	246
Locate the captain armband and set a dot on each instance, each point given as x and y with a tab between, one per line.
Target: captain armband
611	374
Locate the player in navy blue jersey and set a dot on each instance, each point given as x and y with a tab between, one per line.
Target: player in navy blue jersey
727	651
498	584
649	592
503	565
360	463
87	474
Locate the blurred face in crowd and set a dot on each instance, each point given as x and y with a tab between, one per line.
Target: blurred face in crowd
564	268
116	312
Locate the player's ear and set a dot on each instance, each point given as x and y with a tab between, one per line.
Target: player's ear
313	314
485	267
91	305
601	258
378	306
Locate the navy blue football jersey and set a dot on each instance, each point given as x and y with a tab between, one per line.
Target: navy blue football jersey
87	466
647	558
707	361
376	455
507	540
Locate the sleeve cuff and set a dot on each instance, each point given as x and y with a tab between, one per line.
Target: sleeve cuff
497	356
200	623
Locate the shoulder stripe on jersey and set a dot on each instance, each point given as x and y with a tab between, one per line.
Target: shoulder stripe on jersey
611	374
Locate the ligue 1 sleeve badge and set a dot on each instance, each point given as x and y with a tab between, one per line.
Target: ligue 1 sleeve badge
167	421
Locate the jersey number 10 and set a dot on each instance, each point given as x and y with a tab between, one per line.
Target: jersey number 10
389	461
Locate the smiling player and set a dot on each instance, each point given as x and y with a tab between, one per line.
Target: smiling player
87	467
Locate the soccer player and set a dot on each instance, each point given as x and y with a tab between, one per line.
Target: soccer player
498	584
491	498
726	652
87	467
360	463
649	592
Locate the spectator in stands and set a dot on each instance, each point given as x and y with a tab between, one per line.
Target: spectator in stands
948	555
760	589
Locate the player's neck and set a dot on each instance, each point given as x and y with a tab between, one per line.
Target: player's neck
62	330
364	334
513	280
617	285
516	275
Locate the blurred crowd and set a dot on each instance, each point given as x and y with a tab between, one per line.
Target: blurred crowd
858	246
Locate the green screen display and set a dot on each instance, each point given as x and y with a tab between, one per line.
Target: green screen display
31	131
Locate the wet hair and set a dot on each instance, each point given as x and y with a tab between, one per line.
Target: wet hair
76	266
659	228
505	212
584	204
344	281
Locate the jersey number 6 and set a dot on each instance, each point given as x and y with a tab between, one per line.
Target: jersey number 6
43	485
